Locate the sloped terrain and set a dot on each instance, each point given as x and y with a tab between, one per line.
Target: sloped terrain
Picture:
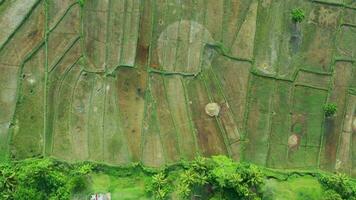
121	81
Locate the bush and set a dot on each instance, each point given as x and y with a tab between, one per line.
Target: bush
297	15
42	179
331	195
81	2
159	186
78	184
8	181
223	176
340	184
27	194
218	177
330	109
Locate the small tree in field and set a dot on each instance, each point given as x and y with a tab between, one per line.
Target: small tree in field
297	15
330	109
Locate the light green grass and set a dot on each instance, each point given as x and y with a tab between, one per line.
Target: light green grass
129	187
125	188
296	188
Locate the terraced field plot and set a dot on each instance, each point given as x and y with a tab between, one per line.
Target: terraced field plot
123	81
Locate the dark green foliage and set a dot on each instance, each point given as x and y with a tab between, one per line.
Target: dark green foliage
204	178
331	195
218	177
81	2
340	184
222	177
244	179
27	194
159	186
330	109
297	15
78	183
42	179
8	181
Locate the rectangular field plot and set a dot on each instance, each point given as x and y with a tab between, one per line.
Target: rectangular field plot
259	120
183	124
353	147
64	35
7	104
233	77
308	115
209	136
281	125
333	126
28	134
349	16
165	122
4	130
243	45
131	89
62	98
346	43
152	148
235	12
160	21
303	158
56	78
115	142
226	119
318	46
79	116
352	83
346	152
95	121
269	19
277	155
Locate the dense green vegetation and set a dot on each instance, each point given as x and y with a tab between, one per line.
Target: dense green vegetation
81	2
217	178
297	15
221	178
330	109
224	178
204	178
338	187
295	187
42	179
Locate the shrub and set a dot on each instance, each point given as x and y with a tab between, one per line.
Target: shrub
81	2
78	184
8	181
223	176
159	186
330	109
297	15
339	183
331	195
42	179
